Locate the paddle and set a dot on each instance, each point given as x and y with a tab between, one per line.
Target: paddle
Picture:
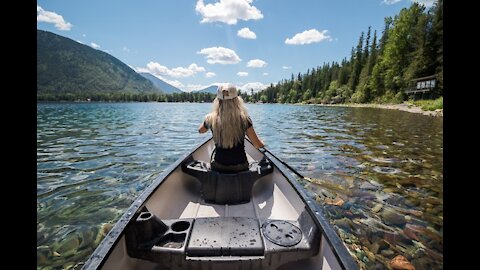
281	161
311	180
263	150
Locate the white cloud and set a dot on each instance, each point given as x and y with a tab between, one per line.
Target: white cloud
94	45
175	83
228	11
286	67
265	74
83	35
256	63
242	74
391	2
426	3
220	55
246	33
256	86
178	72
210	74
307	37
52	17
125	49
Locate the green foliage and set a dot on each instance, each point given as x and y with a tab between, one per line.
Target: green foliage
68	69
430	105
379	69
125	97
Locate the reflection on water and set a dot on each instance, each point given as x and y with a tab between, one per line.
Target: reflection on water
378	173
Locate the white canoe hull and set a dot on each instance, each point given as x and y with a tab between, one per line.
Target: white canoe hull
177	196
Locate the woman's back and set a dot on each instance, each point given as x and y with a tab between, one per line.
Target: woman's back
229	121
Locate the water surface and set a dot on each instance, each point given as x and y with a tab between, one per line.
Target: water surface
378	173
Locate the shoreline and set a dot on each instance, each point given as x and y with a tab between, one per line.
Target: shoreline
401	107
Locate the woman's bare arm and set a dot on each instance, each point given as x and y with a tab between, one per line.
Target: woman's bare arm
202	129
252	135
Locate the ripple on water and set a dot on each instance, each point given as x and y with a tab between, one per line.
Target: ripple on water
383	160
386	170
94	159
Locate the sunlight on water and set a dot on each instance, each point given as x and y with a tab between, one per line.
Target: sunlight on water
378	173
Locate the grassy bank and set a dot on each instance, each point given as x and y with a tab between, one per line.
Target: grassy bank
432	107
429	105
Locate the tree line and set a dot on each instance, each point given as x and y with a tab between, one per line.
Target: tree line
379	70
126	97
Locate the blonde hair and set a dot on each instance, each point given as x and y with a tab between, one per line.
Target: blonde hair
228	121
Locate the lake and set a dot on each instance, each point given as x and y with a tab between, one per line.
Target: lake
378	173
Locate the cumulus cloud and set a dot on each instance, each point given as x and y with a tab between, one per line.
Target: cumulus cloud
256	86
265	74
286	67
391	2
175	83
242	74
94	45
426	3
220	55
246	33
307	37
178	72
228	11
256	63
52	17
210	74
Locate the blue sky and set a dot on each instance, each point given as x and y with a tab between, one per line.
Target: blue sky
195	43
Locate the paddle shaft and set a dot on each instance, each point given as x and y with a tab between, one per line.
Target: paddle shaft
281	161
284	163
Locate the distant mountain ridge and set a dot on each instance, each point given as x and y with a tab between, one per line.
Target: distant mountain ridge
67	67
161	84
211	89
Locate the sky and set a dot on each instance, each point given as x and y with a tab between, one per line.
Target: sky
193	44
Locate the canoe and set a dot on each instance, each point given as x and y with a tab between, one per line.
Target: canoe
191	217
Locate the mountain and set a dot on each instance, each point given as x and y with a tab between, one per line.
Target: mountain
211	89
66	67
164	86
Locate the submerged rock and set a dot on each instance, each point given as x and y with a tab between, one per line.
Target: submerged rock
401	263
391	217
377	208
43	252
344	223
337	201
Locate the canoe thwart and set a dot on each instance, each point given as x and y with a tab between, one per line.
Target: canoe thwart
225	236
226	188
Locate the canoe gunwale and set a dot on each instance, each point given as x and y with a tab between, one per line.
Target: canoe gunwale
101	253
98	257
316	212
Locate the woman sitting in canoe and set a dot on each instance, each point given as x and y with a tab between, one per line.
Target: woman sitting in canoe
229	122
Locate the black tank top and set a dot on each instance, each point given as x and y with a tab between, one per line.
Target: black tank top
231	156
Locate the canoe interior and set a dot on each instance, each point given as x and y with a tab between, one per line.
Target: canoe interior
178	202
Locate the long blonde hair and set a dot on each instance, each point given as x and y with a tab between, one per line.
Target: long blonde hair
228	121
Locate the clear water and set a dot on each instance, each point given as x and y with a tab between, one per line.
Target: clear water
378	173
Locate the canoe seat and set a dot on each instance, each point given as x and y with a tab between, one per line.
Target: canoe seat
225	236
226	188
